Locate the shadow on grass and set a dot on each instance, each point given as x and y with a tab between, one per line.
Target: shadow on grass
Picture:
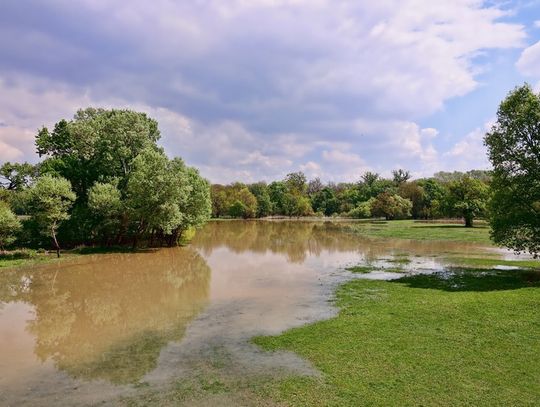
469	279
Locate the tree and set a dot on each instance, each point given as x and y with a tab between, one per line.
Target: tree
370	177
16	175
264	204
467	197
325	201
157	189
277	190
391	206
9	226
434	196
296	183
314	186
105	202
197	208
49	201
362	210
415	193
400	176
514	151
97	145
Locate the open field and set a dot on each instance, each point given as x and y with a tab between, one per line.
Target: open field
471	339
409	229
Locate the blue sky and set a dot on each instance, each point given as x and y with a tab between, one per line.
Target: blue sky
252	90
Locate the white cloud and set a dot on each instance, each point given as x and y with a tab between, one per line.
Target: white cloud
529	61
469	152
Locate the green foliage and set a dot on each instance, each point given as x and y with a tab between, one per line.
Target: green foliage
514	150
296	183
17	176
325	201
467	197
264	203
9	226
97	145
49	201
105	203
362	211
391	206
400	176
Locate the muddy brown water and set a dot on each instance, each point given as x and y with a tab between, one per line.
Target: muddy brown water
97	327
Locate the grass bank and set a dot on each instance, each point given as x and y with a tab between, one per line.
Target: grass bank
409	229
471	338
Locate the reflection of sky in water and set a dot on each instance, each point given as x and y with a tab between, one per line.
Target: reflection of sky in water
84	328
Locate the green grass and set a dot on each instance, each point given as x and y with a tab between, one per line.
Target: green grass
466	338
360	269
409	229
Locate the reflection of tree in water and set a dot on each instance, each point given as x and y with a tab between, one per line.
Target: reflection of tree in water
109	317
297	239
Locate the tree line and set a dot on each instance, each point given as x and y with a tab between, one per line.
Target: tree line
445	194
103	180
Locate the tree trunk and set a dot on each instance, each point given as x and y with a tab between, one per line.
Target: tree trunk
56	245
468	221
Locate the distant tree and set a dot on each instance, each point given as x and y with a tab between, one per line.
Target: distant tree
325	201
219	200
434	196
264	203
400	176
369	178
362	210
391	206
244	203
277	191
467	197
314	186
16	176
49	201
9	226
296	183
514	150
415	193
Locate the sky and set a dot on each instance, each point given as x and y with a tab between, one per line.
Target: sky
250	90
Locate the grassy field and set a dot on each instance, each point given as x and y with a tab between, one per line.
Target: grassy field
409	229
431	340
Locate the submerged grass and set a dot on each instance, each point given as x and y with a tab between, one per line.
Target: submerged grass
409	229
469	337
490	262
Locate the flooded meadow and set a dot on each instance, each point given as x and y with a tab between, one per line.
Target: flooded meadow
103	328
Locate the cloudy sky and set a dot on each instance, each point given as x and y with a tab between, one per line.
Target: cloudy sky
254	89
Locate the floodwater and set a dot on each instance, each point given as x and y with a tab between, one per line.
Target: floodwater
95	328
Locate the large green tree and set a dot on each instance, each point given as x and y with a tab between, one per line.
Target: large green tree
514	150
97	145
